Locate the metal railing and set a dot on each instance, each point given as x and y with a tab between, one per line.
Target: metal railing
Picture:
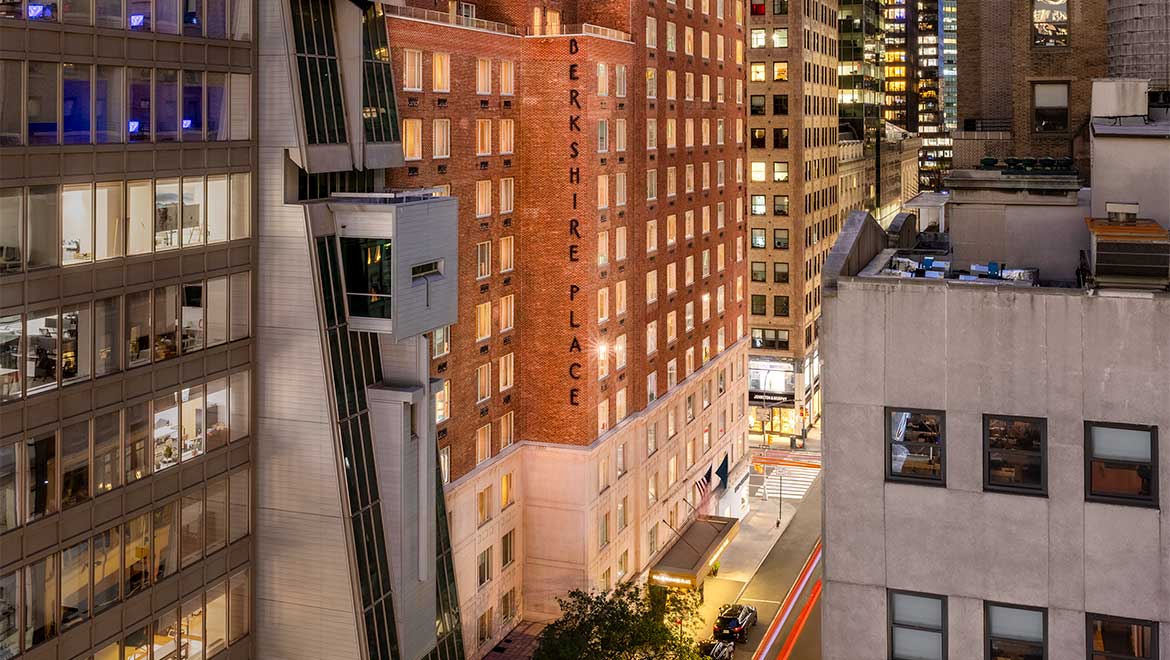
586	28
986	125
432	16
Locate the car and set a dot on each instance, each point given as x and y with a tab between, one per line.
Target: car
714	649
734	620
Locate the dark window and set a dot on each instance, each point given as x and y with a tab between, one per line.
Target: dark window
780	272
320	80
1015	454
780	305
759	138
779	104
779	7
1050	22
759	271
1050	107
769	338
759	305
918	625
915	445
1015	633
138	102
1121	463
779	138
780	239
780	205
757	104
759	238
1114	638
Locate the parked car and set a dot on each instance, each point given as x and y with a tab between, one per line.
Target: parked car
734	621
714	649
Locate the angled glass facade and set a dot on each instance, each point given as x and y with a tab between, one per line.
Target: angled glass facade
378	110
318	71
355	364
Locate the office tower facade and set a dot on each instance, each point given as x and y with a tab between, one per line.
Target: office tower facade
591	392
996	417
914	80
350	513
861	61
127	224
1027	95
794	188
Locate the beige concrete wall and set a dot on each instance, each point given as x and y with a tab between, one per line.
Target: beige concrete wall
1139	171
971	350
559	503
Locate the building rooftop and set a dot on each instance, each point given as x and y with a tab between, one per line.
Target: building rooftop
1131	127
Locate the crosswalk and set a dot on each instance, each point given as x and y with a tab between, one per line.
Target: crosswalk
790	482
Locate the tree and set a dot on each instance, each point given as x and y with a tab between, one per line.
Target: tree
631	622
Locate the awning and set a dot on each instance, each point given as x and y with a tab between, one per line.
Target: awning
688	560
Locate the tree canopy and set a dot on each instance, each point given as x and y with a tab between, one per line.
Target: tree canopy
631	622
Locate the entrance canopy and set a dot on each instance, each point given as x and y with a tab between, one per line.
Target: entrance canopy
688	560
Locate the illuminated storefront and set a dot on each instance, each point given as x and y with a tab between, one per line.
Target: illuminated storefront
774	416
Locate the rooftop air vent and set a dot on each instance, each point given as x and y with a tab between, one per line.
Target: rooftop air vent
1122	213
1129	252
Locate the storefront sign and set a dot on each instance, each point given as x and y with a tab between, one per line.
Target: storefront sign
761	398
574	223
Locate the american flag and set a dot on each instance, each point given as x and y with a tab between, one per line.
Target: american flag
703	485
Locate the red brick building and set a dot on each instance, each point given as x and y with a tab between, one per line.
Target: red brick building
597	151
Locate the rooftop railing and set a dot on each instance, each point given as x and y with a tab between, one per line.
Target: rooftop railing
432	16
589	28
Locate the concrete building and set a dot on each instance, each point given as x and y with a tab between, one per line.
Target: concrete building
350	517
1027	70
793	188
127	355
998	396
590	392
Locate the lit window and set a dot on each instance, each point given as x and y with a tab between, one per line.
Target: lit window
441	138
506	363
602	136
602	360
443	402
603	417
603	304
619	72
758	71
483	137
619	294
412	70
619	134
441	72
651	286
483	321
483	443
507	194
507	254
483	198
759	171
619	244
602	248
483	76
483	259
507	312
507	136
507	78
602	191
483	383
412	139
602	79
